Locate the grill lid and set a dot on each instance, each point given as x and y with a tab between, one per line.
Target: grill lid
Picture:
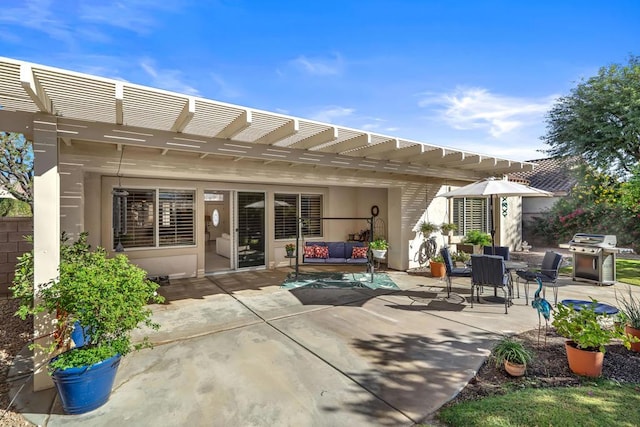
596	240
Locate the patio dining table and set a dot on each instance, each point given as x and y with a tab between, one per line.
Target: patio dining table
512	266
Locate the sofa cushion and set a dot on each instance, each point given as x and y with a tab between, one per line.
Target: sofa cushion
359	252
309	252
336	260
315	260
336	250
357	260
348	247
321	251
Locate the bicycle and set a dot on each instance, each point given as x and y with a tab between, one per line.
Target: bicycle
427	250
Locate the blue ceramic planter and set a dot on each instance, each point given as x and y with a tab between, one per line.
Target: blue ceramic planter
87	388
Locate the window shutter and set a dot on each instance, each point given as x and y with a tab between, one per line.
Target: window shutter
286	212
311	208
136	228
176	218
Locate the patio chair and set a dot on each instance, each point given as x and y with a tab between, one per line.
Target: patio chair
489	270
451	270
503	251
548	273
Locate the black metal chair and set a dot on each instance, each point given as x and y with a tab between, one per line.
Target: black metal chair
548	273
503	251
489	270
452	271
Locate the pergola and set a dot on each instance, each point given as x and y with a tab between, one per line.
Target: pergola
57	108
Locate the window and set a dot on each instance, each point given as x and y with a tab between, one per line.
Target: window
286	209
471	214
144	218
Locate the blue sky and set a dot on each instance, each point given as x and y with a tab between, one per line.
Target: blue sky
474	75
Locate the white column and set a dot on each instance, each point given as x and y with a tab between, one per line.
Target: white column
46	230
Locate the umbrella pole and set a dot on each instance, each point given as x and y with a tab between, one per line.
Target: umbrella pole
493	226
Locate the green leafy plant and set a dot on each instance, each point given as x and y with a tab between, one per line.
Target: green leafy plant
512	351
290	247
477	237
426	228
107	296
379	244
437	258
460	256
630	310
586	328
448	227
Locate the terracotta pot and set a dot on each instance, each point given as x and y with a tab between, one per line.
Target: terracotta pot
635	346
584	362
514	369
437	269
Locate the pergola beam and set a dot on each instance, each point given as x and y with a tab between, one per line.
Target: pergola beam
119	97
354	143
185	116
34	89
288	129
380	148
238	124
322	137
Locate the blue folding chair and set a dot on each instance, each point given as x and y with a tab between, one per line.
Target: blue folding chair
489	270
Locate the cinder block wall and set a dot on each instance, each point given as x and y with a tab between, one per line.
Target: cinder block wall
12	245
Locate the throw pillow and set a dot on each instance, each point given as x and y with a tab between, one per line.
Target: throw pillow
309	251
359	252
322	252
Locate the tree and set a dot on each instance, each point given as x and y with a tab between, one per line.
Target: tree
600	120
16	166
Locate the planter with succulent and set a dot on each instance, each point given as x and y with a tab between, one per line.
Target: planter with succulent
447	228
587	334
108	297
474	241
629	317
437	267
513	355
290	248
379	247
460	257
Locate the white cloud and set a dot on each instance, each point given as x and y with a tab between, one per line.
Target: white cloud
167	79
38	15
225	89
479	109
320	66
329	114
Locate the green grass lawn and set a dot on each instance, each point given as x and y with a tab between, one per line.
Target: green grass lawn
605	404
627	271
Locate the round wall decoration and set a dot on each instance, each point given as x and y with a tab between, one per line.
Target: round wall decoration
215	217
375	210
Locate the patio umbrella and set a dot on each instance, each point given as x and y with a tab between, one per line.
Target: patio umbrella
495	187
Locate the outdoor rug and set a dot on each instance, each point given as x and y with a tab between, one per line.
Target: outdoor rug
338	280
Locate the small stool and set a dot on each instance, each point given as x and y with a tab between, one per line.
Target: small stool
600	308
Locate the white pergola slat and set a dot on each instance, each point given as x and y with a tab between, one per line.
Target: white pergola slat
136	115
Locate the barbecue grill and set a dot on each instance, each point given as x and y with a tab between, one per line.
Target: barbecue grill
594	257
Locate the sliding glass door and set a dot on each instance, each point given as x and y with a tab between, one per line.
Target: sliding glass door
251	229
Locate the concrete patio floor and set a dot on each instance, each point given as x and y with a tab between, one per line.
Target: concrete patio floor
239	350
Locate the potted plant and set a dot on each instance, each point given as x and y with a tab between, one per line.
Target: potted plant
476	239
513	355
427	228
448	227
460	257
290	248
629	317
437	267
587	335
379	247
108	297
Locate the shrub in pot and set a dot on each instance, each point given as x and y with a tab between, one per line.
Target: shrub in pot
379	247
447	227
108	297
629	317
437	267
513	355
290	248
587	334
477	239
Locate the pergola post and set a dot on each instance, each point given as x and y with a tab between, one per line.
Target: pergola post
46	231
